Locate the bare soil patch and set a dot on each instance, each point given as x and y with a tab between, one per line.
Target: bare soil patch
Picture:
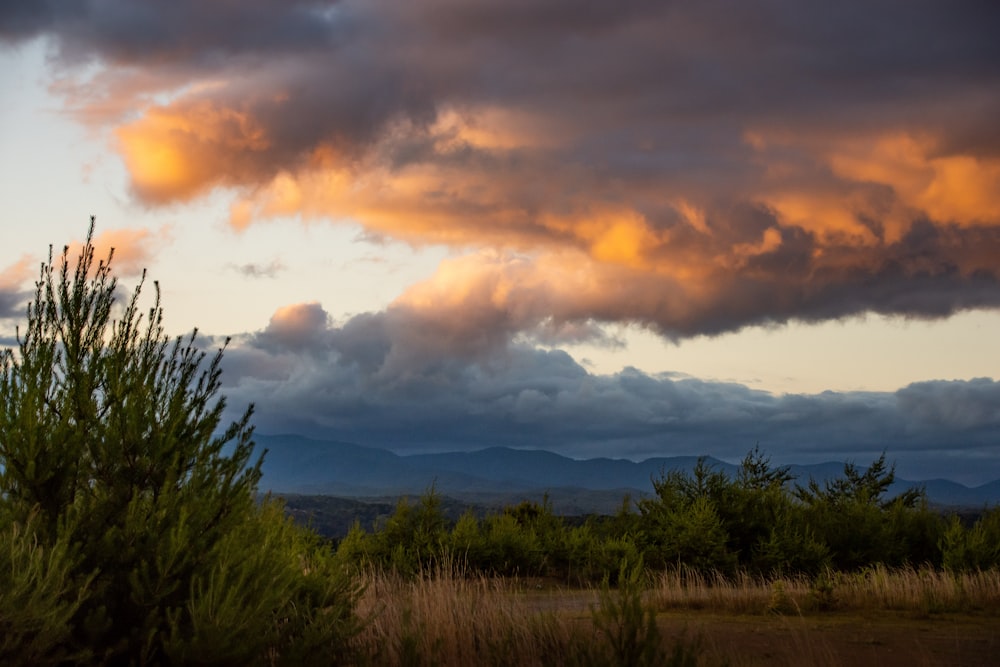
886	639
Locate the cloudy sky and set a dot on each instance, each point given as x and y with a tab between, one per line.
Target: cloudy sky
621	229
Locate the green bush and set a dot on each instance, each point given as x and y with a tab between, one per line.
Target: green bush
791	546
465	542
135	517
708	521
682	523
510	547
39	598
860	527
975	548
625	627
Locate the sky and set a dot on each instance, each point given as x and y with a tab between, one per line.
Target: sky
625	229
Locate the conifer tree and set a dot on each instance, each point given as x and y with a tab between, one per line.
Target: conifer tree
141	517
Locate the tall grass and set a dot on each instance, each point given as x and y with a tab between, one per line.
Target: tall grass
920	590
447	616
443	617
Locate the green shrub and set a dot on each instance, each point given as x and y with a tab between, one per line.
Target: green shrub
135	517
860	527
625	627
39	598
682	525
976	548
510	547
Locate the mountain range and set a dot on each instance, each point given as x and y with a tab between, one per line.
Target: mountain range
499	475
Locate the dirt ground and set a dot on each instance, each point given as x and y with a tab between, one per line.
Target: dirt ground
885	639
843	639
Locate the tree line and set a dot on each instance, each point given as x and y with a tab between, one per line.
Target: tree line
755	521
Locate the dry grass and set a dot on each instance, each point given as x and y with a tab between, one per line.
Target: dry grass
918	590
447	617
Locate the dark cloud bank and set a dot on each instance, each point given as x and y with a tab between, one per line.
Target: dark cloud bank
386	379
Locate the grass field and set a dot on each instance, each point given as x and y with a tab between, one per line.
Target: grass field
877	617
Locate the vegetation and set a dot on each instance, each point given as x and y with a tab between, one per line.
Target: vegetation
451	616
446	592
129	528
753	545
756	523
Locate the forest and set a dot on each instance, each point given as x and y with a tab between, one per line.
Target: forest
757	522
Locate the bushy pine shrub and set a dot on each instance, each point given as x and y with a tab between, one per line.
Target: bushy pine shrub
975	548
129	515
39	597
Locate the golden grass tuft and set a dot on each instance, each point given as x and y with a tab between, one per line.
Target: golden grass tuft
920	590
447	618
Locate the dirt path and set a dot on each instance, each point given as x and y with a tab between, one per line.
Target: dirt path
885	639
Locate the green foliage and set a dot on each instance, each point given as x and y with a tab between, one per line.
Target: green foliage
860	527
780	602
412	539
710	522
976	548
757	510
626	624
857	488
756	474
698	538
626	629
791	545
289	594
913	533
137	522
822	592
684	523
39	597
704	520
510	547
466	541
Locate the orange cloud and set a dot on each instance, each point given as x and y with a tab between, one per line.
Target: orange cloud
180	151
955	188
836	219
624	239
296	325
298	317
495	128
812	178
506	293
817	217
877	185
134	249
18	273
14	280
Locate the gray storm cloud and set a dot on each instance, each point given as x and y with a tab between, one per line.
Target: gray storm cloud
377	380
14	288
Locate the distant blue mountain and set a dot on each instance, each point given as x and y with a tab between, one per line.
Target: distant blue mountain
296	464
541	469
302	465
